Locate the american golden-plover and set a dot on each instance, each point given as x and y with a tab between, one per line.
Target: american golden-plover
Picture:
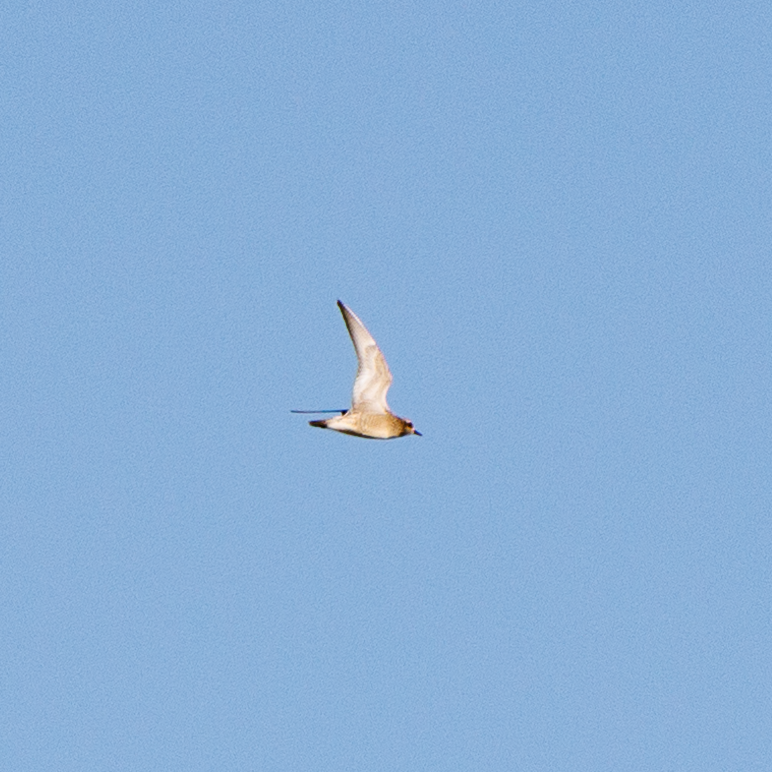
369	415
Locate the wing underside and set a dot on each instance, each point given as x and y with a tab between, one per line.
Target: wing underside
373	376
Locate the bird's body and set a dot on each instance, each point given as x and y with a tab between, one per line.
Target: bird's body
369	415
376	426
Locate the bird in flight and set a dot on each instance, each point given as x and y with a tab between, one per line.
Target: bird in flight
369	415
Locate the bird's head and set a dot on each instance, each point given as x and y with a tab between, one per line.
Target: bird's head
408	428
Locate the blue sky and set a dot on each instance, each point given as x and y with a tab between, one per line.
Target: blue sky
555	220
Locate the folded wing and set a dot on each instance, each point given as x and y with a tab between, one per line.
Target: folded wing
373	375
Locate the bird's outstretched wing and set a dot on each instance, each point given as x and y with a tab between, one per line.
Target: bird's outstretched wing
373	375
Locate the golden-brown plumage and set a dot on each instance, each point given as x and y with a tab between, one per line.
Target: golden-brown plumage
369	415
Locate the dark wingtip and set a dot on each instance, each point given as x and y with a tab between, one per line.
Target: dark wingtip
342	411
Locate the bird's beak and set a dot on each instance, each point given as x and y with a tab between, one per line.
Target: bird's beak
415	431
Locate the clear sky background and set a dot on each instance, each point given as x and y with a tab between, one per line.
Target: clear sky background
556	220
